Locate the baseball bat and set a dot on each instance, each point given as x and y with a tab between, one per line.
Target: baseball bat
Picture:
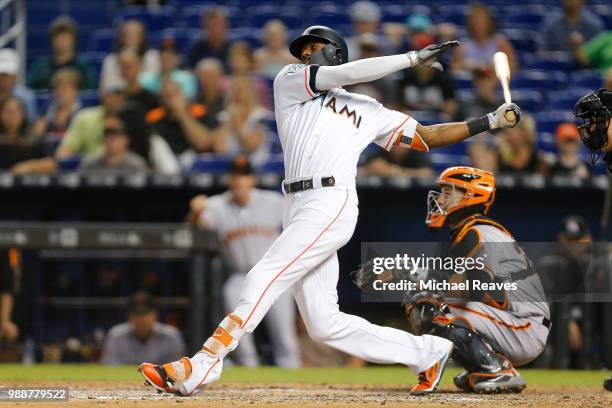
502	71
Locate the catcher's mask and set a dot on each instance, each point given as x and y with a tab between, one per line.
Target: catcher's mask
478	187
335	52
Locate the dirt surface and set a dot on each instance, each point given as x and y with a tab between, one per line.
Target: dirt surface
111	395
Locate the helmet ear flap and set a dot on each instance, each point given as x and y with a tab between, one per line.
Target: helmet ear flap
331	54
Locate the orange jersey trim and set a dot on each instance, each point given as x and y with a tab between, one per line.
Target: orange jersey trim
492	318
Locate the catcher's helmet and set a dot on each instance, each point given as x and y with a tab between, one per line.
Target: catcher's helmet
334	53
479	187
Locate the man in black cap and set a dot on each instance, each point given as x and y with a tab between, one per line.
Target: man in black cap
142	336
248	220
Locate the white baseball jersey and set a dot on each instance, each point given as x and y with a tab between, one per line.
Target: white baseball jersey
246	232
326	135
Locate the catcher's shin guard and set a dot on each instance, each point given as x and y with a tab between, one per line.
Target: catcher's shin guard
488	371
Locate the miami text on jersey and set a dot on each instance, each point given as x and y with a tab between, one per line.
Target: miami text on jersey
350	114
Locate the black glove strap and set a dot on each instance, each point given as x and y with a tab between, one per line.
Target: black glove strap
479	125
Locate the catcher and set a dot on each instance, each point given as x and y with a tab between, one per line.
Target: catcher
594	111
492	330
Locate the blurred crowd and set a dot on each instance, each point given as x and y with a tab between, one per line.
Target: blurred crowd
158	109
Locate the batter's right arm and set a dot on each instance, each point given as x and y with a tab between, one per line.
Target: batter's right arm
449	133
371	69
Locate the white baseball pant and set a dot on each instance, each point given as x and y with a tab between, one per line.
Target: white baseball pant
280	322
303	258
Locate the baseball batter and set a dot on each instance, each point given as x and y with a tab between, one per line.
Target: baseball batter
493	329
323	129
248	220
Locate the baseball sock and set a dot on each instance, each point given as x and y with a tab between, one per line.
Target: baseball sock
226	337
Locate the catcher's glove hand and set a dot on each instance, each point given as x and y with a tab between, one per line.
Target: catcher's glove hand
364	277
427	56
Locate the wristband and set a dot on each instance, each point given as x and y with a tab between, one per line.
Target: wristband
479	125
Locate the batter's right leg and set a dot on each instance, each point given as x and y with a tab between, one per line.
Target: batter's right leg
317	300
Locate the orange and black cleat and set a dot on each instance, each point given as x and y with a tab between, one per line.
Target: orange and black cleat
166	378
430	378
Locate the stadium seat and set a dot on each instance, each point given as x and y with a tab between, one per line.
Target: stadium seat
529	100
397	13
586	79
275	164
549	120
523	40
89	98
463	80
69	164
547	142
211	163
552	61
95	60
102	40
43	99
539	80
258	16
565	100
154	18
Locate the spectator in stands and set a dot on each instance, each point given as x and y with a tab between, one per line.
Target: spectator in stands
16	143
9	266
517	149
64	105
569	162
132	34
427	89
214	42
86	131
486	95
115	155
170	61
180	123
242	63
209	73
564	31
145	143
482	152
63	35
9	69
274	54
396	162
420	31
142	337
482	43
597	53
365	16
130	67
244	129
381	89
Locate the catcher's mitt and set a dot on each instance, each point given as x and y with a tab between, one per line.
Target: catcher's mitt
364	277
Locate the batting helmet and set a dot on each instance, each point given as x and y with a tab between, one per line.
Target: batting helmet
479	187
334	53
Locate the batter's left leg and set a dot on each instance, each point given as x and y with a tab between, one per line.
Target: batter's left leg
281	324
317	301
